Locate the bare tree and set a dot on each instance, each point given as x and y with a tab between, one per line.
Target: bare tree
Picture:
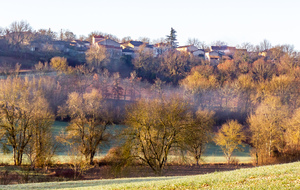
153	129
196	42
196	135
229	137
20	110
97	56
265	45
218	43
19	34
267	125
89	122
248	46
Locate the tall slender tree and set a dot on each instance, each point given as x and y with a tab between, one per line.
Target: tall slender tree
171	39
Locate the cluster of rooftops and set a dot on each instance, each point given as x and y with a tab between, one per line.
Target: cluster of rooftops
214	54
115	49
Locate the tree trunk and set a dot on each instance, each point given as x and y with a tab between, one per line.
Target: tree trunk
92	155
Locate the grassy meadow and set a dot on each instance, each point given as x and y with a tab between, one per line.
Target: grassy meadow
283	176
212	154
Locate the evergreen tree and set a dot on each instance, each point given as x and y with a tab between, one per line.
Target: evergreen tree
171	39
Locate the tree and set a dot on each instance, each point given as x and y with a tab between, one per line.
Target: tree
201	86
44	35
19	34
171	39
67	35
144	40
41	147
98	33
158	87
117	90
176	65
219	43
144	62
245	89
195	135
59	63
265	45
196	42
262	70
267	125
22	115
89	122
126	39
230	137
97	56
153	129
228	70
292	133
246	45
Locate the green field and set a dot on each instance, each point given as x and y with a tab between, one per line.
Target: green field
284	176
212	154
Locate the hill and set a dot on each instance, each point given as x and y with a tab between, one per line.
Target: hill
283	176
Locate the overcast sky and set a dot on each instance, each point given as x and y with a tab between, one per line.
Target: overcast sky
232	21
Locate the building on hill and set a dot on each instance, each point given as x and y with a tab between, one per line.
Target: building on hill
192	50
213	57
127	51
80	45
160	48
131	47
56	46
96	39
218	53
112	47
226	50
135	45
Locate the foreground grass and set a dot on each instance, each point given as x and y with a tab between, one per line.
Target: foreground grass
284	176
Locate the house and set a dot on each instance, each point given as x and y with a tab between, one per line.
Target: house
59	46
192	50
134	46
112	47
160	48
96	39
218	53
214	57
226	50
127	51
80	45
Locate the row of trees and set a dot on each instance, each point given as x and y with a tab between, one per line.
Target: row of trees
157	127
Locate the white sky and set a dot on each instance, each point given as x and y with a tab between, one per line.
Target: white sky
232	21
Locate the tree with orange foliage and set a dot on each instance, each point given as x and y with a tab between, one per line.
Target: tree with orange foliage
228	70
